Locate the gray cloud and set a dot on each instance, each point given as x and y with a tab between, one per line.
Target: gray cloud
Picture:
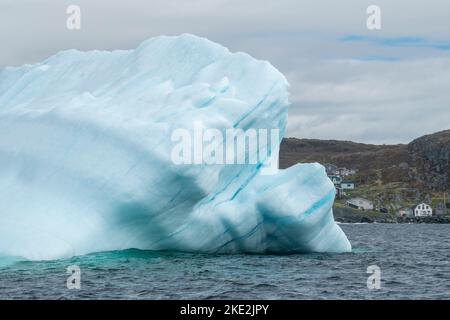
358	90
371	101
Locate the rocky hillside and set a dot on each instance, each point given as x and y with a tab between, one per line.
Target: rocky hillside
416	168
431	157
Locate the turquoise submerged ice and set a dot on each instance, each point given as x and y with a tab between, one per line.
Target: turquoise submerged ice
85	160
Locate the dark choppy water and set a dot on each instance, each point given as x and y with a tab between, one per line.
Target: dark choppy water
414	262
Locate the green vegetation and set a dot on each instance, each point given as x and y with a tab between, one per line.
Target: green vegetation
391	176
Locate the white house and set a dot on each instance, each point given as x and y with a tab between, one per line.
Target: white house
347	185
344	172
360	203
330	168
423	210
336	180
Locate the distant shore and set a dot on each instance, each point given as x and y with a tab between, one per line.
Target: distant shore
350	215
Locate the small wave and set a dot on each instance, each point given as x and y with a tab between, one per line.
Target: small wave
6	261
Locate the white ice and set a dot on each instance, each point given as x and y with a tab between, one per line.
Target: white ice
85	157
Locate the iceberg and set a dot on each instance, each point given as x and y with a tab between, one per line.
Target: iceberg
85	157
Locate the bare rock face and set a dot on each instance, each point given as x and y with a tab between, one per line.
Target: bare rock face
431	157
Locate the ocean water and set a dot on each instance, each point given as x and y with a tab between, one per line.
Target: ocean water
414	260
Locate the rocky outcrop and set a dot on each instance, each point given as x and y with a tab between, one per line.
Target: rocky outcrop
431	157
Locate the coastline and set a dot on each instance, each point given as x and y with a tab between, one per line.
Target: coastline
350	215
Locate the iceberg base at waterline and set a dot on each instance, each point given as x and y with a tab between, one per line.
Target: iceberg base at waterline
85	157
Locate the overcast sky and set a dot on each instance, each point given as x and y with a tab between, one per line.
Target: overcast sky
347	82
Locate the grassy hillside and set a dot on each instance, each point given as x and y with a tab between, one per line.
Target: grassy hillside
390	175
